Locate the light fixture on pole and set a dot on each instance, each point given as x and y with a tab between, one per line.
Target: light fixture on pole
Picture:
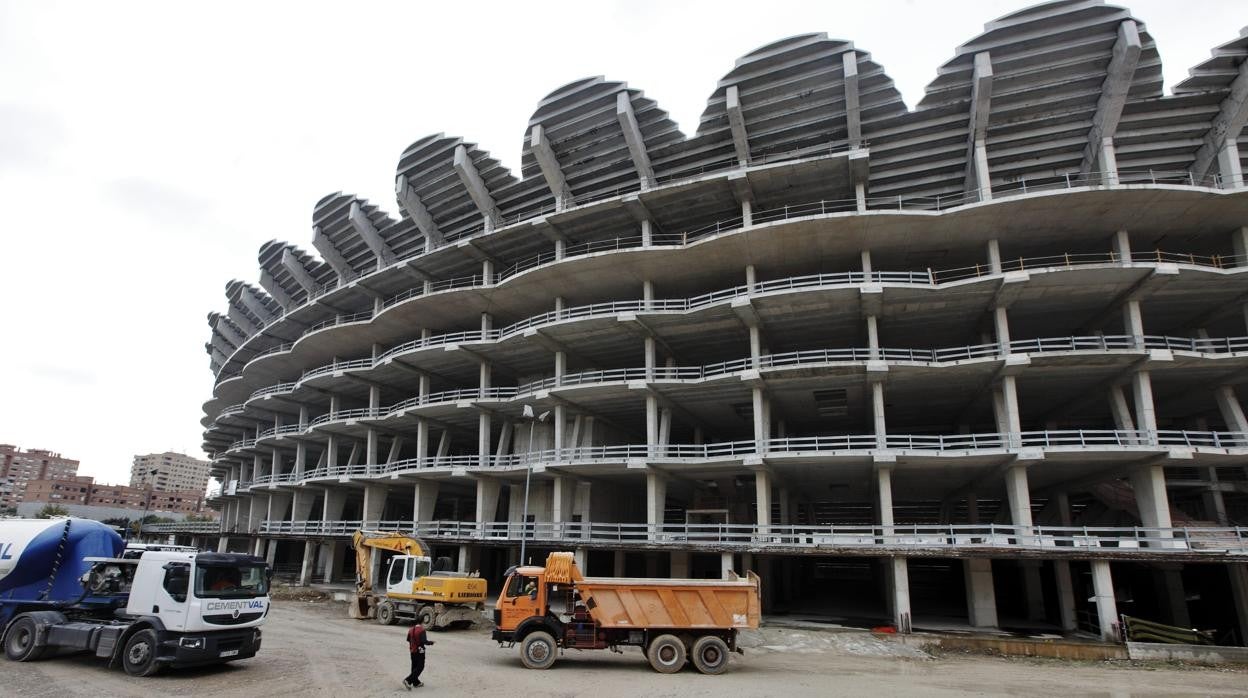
528	473
147	502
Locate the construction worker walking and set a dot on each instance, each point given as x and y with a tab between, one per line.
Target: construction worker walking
417	640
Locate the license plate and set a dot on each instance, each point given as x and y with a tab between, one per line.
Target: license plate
229	653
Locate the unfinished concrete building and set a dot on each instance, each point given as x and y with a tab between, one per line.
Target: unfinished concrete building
976	362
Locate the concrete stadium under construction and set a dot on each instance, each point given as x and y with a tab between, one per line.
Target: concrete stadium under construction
976	363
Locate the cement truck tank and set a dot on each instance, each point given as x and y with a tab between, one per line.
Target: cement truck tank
34	551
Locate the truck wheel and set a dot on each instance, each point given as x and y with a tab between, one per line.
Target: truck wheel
139	658
710	655
666	654
538	650
425	617
20	643
385	613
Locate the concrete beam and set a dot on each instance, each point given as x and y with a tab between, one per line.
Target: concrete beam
977	175
330	254
466	169
853	110
549	164
417	212
736	123
1226	126
270	285
1126	56
300	273
1160	277
632	136
742	190
368	232
251	300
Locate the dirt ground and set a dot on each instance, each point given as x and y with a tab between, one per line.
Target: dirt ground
313	649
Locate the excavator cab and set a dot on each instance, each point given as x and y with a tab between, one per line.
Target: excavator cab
404	571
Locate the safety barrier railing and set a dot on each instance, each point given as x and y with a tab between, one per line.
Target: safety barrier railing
1090	439
804	358
183	527
789	211
930	277
1069	539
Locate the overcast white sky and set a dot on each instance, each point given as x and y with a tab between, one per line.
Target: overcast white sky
147	150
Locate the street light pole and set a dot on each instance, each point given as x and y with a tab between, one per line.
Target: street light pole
528	474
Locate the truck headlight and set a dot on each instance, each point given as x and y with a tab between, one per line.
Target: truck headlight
191	643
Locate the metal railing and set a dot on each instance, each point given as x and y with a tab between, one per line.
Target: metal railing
795	359
813	281
184	527
916	537
1087	439
785	212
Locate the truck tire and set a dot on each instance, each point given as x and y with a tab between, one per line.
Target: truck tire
139	656
538	650
666	654
386	614
710	655
21	642
425	616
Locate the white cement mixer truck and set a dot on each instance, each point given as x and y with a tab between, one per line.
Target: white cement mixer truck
66	587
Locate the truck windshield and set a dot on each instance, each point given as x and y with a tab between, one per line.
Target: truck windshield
230	581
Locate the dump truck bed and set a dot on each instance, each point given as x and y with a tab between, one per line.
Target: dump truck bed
671	603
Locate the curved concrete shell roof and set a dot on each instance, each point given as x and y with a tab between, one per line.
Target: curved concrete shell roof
1045	93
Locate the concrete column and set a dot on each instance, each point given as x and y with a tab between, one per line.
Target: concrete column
309	559
1133	323
259	507
425	500
1122	246
563	498
994	256
463	559
374	503
1149	483
1238	573
762	500
652	423
680	564
1033	591
647	233
981	599
1229	165
487	499
223	544
271	551
330	550
1013	420
335	500
899	599
1103	597
1019	494
301	504
725	565
1231	409
1065	596
1168	584
617	568
759	413
878	421
581	557
656	498
1146	416
884	497
1001	325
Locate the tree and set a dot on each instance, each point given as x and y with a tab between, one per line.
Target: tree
50	510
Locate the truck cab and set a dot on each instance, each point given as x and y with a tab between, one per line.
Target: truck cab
523	597
405	571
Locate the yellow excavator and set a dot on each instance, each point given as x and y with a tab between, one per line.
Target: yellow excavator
414	587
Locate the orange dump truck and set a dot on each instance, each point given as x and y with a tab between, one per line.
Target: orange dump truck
546	609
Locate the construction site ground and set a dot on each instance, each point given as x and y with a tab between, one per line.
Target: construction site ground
311	648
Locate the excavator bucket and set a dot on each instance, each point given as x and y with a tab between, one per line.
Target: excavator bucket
361	607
